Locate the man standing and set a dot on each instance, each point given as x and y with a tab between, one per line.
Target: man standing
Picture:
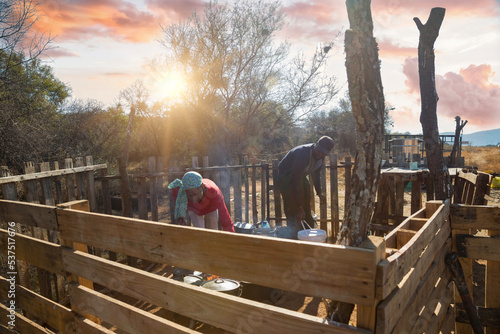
293	170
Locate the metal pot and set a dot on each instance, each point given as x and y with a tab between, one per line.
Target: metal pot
225	285
245	228
193	279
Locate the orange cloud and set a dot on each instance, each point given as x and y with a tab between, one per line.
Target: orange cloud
482	8
469	94
121	20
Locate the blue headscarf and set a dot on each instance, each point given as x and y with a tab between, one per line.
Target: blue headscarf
190	180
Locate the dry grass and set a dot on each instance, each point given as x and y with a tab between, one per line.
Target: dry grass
484	158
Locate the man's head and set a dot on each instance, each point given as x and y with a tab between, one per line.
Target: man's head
323	147
193	185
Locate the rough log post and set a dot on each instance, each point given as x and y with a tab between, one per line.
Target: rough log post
368	106
428	116
453	155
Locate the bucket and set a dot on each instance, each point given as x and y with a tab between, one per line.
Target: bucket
311	234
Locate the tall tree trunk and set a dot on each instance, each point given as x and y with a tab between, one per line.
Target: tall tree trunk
428	116
367	100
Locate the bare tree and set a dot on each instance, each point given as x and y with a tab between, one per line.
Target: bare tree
237	73
368	106
428	116
17	35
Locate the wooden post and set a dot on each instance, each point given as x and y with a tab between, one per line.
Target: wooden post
159	179
268	195
90	188
322	202
106	195
263	191
366	314
348	179
247	190
238	215
400	196
255	213
125	189
142	199
416	193
276	193
153	188
81	184
334	195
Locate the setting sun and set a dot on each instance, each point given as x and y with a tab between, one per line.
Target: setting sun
170	85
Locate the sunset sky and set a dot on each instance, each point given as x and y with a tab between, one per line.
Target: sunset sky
102	46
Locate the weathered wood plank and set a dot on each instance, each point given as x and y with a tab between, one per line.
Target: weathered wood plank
477	247
30	214
43	254
492	288
41	175
478	217
224	311
322	270
124	316
408	314
390	310
489	317
391	238
392	270
21	323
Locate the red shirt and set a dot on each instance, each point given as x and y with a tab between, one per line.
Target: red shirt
213	200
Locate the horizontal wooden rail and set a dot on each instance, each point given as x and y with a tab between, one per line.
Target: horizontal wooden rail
322	270
35	215
478	217
221	310
58	172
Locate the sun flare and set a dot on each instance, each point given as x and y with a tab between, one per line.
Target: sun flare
170	85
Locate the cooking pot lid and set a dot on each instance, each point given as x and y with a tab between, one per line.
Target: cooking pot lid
221	284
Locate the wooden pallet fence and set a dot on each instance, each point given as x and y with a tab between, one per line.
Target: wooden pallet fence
413	282
478	247
322	270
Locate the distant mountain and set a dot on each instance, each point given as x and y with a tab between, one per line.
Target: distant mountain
481	138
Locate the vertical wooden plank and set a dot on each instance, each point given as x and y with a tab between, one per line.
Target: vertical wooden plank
106	195
9	191
347	181
268	195
461	328
312	200
81	184
255	217
366	315
400	196
429	188
82	205
70	180
142	197
238	214
263	192
58	184
153	190
492	288
47	186
334	196
91	184
159	180
31	186
483	182
416	194
225	181
276	193
322	201
247	190
194	162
